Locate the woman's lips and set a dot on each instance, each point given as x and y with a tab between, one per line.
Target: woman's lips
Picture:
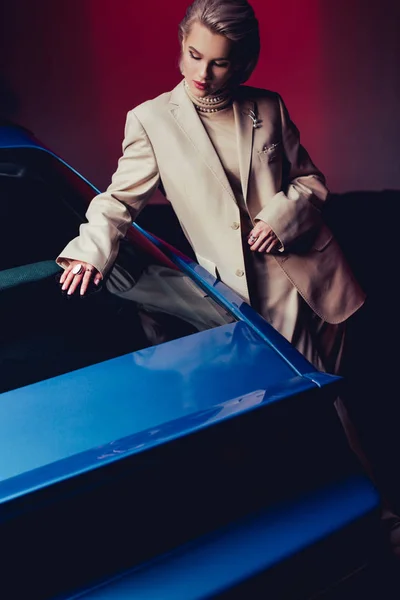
200	86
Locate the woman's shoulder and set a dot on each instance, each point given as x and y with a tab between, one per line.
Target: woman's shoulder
155	105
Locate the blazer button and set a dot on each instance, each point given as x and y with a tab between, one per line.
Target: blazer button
235	225
239	272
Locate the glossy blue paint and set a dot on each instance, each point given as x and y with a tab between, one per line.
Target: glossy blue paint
191	383
228	557
16	137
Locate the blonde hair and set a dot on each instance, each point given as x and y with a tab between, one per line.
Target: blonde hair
234	19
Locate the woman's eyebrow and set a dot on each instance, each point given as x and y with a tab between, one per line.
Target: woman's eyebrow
197	52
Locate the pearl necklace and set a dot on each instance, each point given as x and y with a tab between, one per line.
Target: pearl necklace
208	104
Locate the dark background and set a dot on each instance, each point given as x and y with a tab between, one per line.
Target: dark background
71	69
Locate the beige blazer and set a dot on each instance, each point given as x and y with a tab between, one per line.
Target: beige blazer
166	145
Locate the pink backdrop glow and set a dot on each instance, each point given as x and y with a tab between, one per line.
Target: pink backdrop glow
71	70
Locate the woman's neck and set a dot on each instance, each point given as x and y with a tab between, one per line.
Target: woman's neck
210	103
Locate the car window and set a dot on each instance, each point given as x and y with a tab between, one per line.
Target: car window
33	223
144	301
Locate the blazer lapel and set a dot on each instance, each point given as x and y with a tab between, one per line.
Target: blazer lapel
185	114
245	133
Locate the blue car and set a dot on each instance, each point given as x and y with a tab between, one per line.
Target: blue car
158	438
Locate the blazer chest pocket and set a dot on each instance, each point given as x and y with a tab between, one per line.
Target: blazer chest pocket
270	152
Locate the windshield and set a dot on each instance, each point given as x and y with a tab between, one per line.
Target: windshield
144	301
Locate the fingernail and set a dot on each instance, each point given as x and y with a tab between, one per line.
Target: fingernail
96	281
69	292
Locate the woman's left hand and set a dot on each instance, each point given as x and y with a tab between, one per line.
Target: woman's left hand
262	238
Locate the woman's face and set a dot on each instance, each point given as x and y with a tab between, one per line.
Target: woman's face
205	61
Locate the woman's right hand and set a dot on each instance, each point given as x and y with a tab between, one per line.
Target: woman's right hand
73	277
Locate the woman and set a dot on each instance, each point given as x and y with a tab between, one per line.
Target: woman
247	194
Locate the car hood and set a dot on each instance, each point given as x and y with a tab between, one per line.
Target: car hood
76	421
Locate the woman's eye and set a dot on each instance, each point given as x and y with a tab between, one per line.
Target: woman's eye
223	65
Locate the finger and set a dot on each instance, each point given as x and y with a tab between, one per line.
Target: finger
86	279
67	280
255	235
263	246
75	282
65	273
260	229
251	240
273	246
267	242
256	231
262	241
256	245
271	242
98	277
68	270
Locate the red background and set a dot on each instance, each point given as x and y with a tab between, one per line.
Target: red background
70	70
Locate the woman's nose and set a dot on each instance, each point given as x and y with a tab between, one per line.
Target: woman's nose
205	71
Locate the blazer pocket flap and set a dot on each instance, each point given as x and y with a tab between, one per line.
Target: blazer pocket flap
323	238
208	265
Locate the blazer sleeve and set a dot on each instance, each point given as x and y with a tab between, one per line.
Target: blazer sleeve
111	213
295	211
